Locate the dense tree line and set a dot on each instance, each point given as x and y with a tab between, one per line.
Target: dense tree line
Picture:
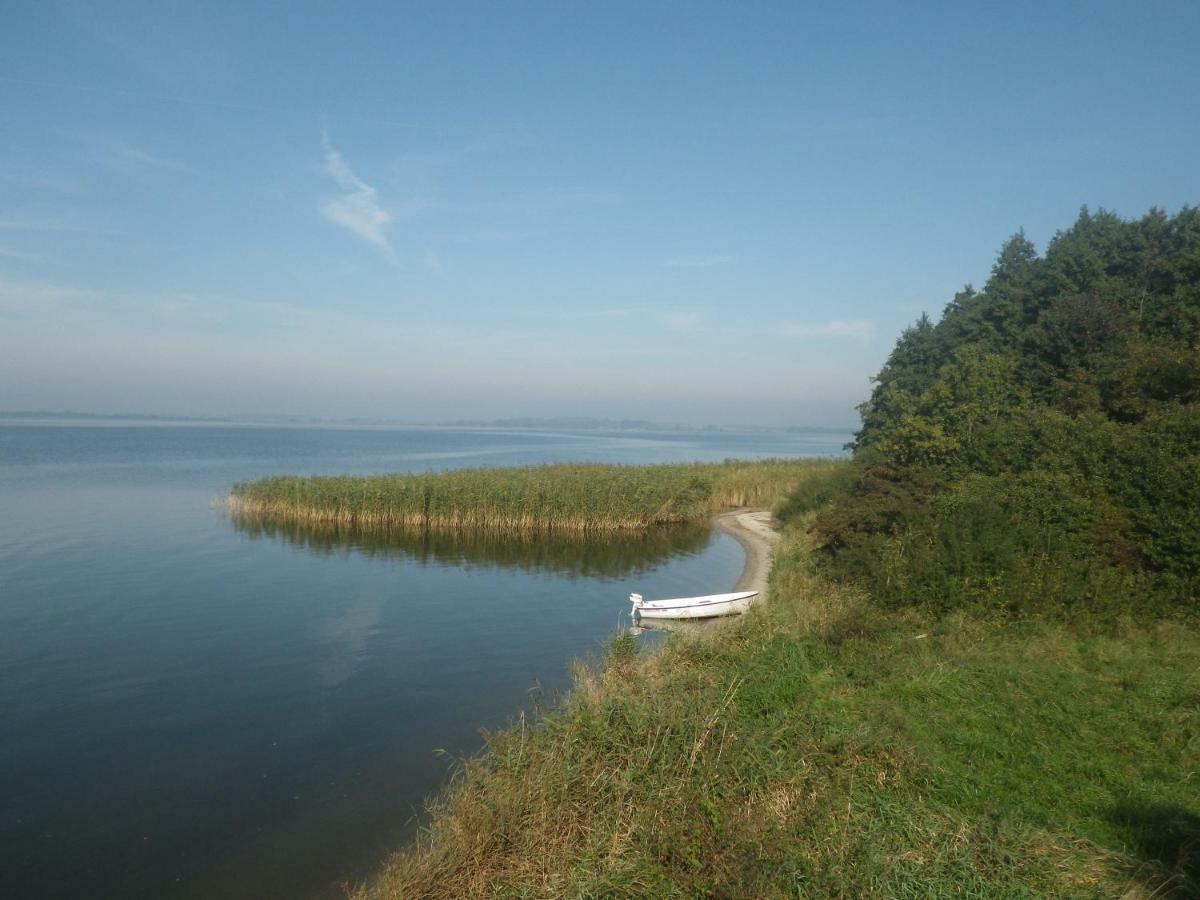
1038	448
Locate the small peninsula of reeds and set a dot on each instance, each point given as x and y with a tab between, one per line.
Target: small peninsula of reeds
577	498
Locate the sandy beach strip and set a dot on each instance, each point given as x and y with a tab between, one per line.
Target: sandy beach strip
756	531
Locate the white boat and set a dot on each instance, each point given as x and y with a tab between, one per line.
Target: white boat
691	607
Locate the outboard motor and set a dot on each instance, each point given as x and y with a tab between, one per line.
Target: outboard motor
636	601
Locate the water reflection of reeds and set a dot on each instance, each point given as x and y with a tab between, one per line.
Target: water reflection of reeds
574	554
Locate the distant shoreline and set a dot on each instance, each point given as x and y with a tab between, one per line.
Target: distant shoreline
531	424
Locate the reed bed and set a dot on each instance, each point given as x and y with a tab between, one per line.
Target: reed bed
568	498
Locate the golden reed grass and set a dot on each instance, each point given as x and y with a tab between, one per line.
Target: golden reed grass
569	498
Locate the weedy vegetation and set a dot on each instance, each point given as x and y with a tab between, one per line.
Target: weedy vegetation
578	498
823	746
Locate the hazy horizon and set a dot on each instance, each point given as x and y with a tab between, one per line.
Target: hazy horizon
566	423
479	212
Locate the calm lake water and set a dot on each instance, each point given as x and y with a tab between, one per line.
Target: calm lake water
193	709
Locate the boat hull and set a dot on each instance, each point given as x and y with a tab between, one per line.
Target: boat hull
695	607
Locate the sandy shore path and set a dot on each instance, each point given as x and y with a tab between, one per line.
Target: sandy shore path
755	530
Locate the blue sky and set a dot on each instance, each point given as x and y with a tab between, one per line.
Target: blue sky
686	212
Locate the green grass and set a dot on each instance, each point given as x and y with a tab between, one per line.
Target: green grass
821	747
538	498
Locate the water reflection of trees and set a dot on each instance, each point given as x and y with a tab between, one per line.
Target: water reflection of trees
606	555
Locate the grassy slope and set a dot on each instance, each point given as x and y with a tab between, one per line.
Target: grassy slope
820	747
580	497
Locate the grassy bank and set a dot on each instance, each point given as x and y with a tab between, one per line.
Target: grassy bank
537	498
825	747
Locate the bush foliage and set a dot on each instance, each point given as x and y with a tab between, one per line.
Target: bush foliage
1038	448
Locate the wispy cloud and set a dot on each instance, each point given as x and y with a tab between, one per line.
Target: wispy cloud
847	329
9	253
40	182
572	197
37	225
570	313
503	139
698	262
482	235
44	300
617	312
681	321
357	209
126	159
